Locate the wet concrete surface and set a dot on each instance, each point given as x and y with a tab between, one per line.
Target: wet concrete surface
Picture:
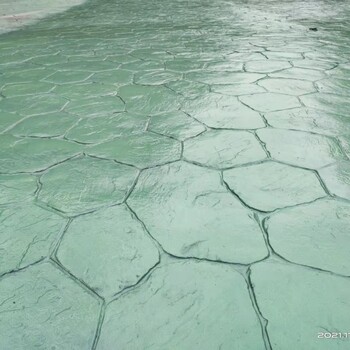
175	176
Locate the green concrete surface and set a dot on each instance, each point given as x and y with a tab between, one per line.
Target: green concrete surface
175	175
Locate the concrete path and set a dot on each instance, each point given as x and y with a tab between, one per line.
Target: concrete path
175	175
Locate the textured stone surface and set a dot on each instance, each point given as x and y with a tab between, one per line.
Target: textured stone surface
270	185
224	148
27	234
304	145
141	150
84	184
109	250
314	235
314	302
40	309
288	86
16	188
175	124
97	129
191	212
337	179
191	313
29	155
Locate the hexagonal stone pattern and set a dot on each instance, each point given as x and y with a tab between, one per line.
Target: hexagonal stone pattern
269	102
30	155
337	179
224	148
303	295
27	235
307	119
109	250
271	185
224	112
47	125
175	124
321	150
81	185
97	129
17	188
180	293
314	235
141	150
190	214
40	308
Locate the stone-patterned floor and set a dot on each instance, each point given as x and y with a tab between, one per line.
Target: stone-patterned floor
175	175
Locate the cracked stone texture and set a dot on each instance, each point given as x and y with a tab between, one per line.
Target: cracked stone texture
141	150
224	148
109	250
139	83
280	143
81	185
40	309
314	302
27	235
191	313
19	155
269	186
315	235
191	212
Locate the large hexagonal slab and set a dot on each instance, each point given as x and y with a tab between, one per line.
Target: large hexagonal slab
109	250
41	308
177	306
315	234
31	155
308	309
141	150
290	146
271	185
196	216
224	148
84	184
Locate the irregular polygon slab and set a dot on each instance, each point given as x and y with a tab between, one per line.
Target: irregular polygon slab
46	125
80	185
27	234
313	64
165	307
199	218
109	250
223	112
156	77
299	73
188	89
31	155
271	185
67	77
26	89
337	179
141	150
184	65
301	148
327	102
97	129
314	235
175	124
8	119
308	309
269	101
223	148
266	66
149	99
334	86
17	188
308	119
215	77
238	89
96	107
41	308
288	86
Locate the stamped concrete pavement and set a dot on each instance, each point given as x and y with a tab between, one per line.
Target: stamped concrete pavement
175	176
